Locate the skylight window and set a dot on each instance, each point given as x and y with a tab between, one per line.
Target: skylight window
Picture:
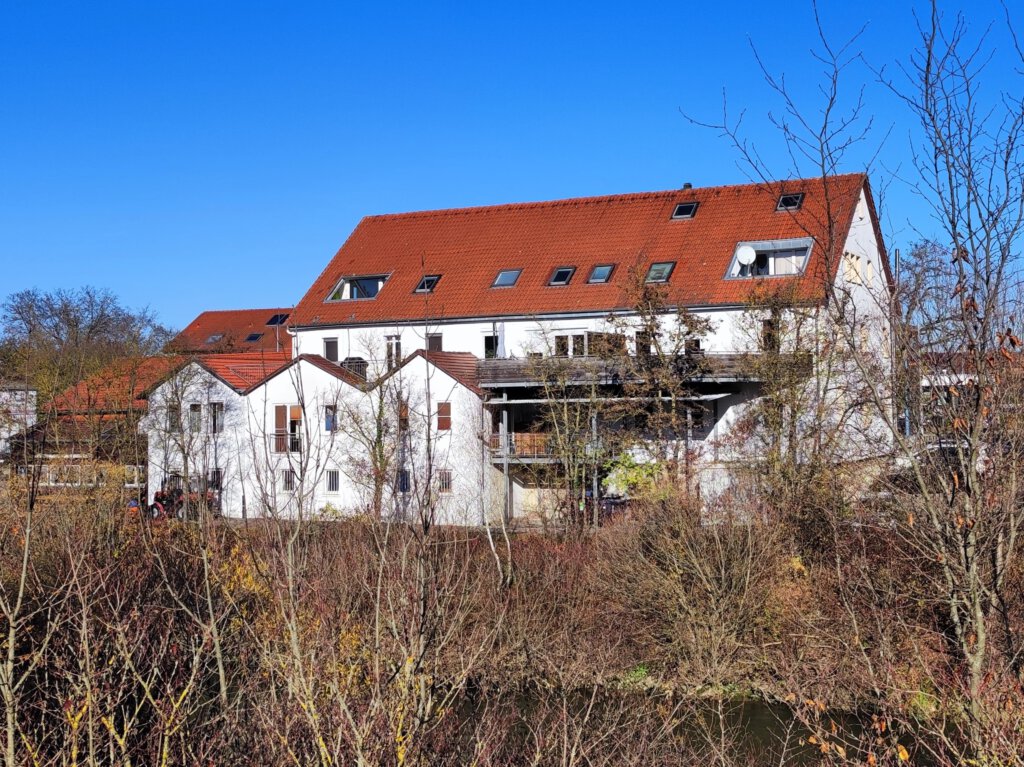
214	338
562	275
685	210
358	288
253	337
790	201
506	278
428	283
660	272
601	273
277	319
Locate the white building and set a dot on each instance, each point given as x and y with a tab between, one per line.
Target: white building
433	328
17	413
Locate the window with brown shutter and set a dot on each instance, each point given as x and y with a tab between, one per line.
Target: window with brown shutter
403	416
280	428
444	416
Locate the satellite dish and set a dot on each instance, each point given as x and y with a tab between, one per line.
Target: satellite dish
746	255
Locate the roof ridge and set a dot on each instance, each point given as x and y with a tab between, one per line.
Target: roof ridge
596	199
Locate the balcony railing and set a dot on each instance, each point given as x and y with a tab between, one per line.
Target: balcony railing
285	442
523	445
707	366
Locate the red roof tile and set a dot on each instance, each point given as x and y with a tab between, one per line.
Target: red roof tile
244	371
459	365
228	330
467	247
321	362
118	388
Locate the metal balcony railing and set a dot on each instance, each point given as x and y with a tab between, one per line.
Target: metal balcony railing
285	442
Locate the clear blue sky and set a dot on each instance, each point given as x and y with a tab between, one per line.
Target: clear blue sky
193	155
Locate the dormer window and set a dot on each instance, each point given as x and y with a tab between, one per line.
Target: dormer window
428	283
685	210
770	258
562	275
506	278
358	288
601	274
790	201
660	272
214	338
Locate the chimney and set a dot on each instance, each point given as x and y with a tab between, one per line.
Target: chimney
687	185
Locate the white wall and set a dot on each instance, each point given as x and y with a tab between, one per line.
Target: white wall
17	414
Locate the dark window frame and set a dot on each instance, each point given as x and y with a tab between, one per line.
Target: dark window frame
515	280
423	286
789	201
649	280
689	210
253	338
608	277
568	278
444	416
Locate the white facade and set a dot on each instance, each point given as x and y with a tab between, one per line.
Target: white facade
17	413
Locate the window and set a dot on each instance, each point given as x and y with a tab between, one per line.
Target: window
444	416
288	480
864	337
660	272
403	417
696	413
174	418
253	338
428	283
330	418
393	351
490	347
771	258
277	319
333	480
601	273
692	346
444	480
216	417
790	201
685	210
434	342
851	269
575	345
214	338
287	429
769	335
645	344
402	480
331	349
869	274
506	278
215	479
358	288
195	418
562	275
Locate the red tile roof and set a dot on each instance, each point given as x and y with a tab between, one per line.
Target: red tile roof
462	366
468	247
118	388
233	327
321	362
244	371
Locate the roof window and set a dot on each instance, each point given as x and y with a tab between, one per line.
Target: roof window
601	273
428	283
660	272
562	275
685	210
277	319
770	258
214	338
790	201
253	337
506	278
358	288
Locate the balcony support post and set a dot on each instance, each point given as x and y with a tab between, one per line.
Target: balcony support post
504	442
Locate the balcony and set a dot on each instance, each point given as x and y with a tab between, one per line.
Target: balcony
285	442
528	445
706	366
